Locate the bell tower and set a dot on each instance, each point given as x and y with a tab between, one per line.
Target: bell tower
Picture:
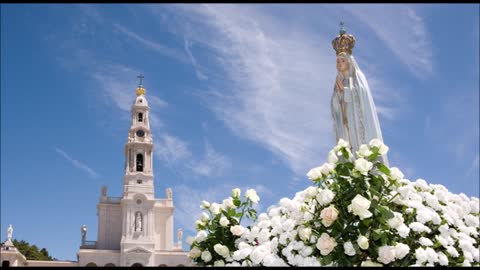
138	200
139	149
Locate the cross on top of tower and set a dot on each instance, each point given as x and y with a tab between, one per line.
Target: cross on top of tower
140	89
140	77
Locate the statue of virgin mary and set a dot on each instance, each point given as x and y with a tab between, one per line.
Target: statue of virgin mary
354	114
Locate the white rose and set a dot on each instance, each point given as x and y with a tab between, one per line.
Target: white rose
205	217
224	221
425	241
236	193
341	143
326	244
332	158
452	251
325	196
359	207
403	230
195	253
442	259
201	235
382	148
363	166
421	255
329	215
206	256
401	250
396	221
362	242
189	240
396	174
205	204
251	194
314	174
215	208
364	151
221	250
310	192
370	263
326	168
237	230
304	233
199	224
349	249
386	254
258	254
219	263
228	203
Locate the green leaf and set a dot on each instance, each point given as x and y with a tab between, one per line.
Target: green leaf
236	202
383	168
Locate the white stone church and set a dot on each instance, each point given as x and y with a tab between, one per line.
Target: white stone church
133	230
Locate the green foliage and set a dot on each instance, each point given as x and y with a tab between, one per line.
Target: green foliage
31	252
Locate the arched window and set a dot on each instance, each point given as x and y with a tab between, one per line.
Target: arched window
92	264
139	163
5	263
140	117
137	265
109	265
163	265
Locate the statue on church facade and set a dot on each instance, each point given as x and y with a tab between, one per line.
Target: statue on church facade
353	110
169	193
138	222
179	235
84	232
9	233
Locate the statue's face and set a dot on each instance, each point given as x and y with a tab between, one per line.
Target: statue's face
342	64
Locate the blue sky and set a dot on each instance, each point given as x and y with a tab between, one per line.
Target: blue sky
240	97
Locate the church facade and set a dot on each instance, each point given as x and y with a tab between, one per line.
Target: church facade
136	229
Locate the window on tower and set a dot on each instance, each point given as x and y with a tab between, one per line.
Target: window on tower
140	117
139	163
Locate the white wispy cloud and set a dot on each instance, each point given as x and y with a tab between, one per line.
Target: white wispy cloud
402	30
198	73
158	47
212	165
171	149
78	164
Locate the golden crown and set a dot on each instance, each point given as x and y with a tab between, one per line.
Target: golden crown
343	42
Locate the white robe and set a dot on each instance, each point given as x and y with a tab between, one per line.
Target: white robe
362	123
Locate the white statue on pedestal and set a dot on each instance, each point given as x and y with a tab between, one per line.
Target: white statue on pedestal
353	110
8	243
9	232
179	236
84	232
169	193
138	222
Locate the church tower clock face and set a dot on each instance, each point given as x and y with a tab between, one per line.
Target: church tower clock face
140	133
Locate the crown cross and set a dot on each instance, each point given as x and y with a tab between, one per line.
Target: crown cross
140	77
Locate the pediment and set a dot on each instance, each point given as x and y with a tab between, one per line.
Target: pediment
138	250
